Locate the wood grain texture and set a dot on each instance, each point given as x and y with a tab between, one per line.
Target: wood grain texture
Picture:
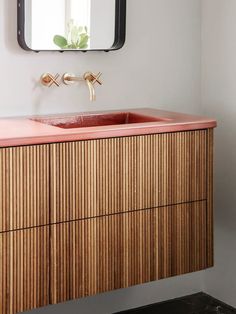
94	178
24	270
24	187
91	256
210	213
116	213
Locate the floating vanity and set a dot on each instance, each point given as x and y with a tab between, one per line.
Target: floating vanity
95	202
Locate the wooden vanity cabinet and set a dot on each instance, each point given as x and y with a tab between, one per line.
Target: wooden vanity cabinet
86	217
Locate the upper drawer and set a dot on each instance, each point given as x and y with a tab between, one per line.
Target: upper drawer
100	177
24	187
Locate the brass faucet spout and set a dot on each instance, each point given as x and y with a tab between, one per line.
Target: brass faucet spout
91	90
91	80
69	78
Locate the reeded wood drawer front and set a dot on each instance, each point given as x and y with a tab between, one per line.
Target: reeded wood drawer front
24	187
100	177
101	254
24	270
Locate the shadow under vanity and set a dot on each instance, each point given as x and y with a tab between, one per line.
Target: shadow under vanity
89	208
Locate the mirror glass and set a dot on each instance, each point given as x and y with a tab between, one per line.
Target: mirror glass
69	24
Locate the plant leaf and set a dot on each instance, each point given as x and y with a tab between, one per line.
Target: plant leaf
83	41
60	41
84	46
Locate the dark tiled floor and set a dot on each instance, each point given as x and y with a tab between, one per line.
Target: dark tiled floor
199	303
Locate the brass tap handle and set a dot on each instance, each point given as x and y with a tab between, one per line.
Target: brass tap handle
48	79
93	78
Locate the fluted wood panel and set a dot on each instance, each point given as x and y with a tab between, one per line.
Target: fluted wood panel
108	223
101	254
100	177
24	187
210	215
24	270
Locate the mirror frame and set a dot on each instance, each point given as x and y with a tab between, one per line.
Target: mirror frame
120	29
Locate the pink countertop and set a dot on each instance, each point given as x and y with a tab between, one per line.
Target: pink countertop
23	131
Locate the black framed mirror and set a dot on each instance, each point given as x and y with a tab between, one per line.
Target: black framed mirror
71	25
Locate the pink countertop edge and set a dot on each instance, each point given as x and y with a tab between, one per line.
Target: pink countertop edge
20	131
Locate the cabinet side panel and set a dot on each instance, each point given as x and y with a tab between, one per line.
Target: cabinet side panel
210	214
24	187
24	270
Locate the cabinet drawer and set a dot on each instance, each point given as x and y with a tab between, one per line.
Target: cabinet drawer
24	187
101	177
95	255
24	270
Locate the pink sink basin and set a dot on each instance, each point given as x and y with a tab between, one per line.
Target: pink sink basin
96	125
95	120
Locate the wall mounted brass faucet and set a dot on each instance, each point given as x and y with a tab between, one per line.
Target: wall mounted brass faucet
90	78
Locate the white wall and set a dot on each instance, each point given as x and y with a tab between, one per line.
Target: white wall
158	67
219	100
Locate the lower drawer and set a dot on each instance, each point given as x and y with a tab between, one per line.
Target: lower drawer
96	255
24	270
